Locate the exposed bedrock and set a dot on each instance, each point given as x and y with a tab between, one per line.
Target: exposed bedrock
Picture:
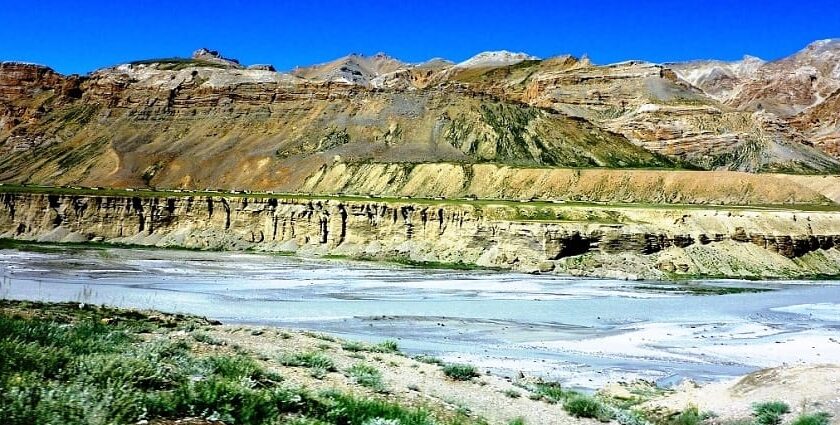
634	243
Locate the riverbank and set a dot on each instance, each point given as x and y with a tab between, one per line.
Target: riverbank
583	332
625	242
83	363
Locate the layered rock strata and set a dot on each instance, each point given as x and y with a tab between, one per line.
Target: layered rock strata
588	241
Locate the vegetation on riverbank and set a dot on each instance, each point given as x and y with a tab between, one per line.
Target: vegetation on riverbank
79	364
84	365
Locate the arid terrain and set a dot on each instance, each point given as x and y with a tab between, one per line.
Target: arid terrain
209	122
282	232
634	169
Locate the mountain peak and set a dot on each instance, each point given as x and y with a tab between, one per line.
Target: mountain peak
495	58
828	42
752	59
355	68
214	56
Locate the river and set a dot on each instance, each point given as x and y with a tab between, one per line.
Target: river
583	332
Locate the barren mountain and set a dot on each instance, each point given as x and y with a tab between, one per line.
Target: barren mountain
496	59
208	121
353	69
800	90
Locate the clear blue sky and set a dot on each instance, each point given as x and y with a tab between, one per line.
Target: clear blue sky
79	36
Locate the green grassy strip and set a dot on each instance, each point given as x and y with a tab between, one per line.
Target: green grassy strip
63	364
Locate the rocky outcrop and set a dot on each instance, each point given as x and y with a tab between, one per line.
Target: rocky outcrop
785	245
25	87
214	57
799	90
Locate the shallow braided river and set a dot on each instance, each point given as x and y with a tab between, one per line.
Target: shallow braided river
584	332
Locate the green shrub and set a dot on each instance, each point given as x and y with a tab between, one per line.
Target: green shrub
388	346
381	421
227	400
83	372
16	355
205	338
819	418
323	337
353	346
305	421
234	367
346	409
367	376
310	360
583	406
72	403
690	416
517	421
135	371
318	372
429	360
627	417
512	393
770	413
552	392
460	372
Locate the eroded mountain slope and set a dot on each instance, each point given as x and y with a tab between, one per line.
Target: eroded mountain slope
209	121
801	89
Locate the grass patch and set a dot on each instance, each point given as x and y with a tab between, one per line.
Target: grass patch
701	289
690	416
62	364
387	346
354	346
460	372
322	337
430	360
819	418
80	371
367	376
770	413
344	409
511	393
205	338
319	364
584	406
551	392
435	265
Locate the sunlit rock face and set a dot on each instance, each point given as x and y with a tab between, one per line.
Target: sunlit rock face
624	243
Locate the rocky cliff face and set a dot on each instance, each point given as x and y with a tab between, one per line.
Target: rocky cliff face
208	121
589	241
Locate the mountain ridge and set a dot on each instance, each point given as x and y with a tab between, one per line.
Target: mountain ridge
213	122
